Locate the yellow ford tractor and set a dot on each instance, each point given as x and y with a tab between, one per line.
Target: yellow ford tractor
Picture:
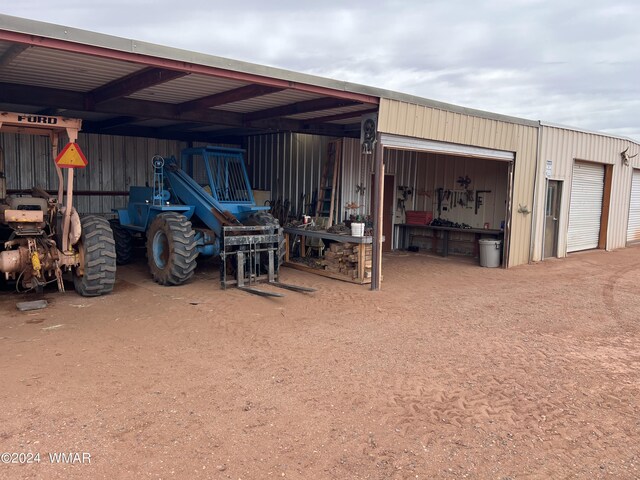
45	239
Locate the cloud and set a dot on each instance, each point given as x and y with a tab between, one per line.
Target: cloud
574	62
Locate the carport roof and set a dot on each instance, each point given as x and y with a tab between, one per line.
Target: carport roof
128	87
122	86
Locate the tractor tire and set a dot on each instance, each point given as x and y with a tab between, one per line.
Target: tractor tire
171	249
263	219
98	257
124	242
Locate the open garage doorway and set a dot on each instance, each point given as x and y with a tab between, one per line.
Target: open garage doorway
449	197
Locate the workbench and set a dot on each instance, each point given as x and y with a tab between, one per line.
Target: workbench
303	233
405	238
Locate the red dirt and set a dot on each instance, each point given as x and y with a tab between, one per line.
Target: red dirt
452	371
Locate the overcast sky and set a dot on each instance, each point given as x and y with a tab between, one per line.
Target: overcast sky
574	62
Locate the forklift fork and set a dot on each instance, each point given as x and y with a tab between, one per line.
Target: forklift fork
247	245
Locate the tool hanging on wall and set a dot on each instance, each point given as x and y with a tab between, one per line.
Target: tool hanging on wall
464	182
480	198
404	192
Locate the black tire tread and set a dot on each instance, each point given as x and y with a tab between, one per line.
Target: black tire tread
264	218
99	258
123	241
182	262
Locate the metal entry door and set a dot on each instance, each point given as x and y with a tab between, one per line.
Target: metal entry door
585	211
552	214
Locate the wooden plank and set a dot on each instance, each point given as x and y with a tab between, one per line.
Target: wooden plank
287	252
329	236
361	262
325	273
606	205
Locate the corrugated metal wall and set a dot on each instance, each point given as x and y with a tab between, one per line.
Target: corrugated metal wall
402	118
356	171
563	146
287	164
115	163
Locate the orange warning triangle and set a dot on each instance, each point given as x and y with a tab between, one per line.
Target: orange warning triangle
71	157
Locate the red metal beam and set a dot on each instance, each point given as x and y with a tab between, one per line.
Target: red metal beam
306	106
230	96
122	87
114	122
149	60
339	116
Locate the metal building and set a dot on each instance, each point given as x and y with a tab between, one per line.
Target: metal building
588	191
490	172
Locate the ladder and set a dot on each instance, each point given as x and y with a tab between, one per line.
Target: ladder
328	182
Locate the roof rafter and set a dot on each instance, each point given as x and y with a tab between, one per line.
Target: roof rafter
12	53
115	122
122	87
340	116
128	107
306	106
69	100
230	96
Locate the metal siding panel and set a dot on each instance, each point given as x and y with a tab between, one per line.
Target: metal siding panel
115	163
410	121
287	165
585	209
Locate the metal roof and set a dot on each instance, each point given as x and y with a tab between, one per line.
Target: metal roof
120	86
129	87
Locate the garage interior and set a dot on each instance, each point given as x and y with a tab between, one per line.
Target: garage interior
467	191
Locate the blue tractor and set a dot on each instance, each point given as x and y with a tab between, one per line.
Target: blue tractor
202	205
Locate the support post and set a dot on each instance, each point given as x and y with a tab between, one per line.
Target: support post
240	268
378	196
54	153
67	211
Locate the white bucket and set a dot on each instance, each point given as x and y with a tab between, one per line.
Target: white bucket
357	229
490	252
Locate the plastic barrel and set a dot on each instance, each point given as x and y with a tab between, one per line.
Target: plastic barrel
490	252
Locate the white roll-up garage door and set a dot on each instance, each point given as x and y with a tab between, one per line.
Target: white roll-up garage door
633	230
587	189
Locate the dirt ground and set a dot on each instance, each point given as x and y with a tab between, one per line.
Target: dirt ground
451	371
